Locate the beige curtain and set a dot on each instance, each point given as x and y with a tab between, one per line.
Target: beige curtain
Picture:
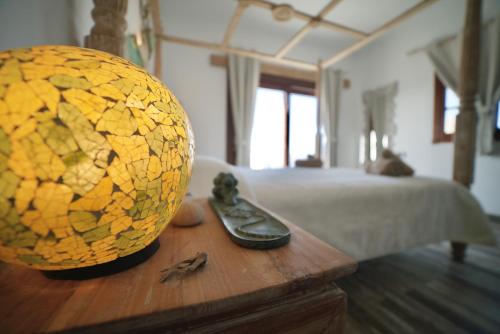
244	74
379	116
445	57
329	110
489	85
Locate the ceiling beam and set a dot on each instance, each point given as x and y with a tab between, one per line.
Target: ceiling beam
242	52
305	30
377	33
306	17
233	24
294	40
271	69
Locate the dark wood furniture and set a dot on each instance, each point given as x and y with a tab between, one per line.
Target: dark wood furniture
286	290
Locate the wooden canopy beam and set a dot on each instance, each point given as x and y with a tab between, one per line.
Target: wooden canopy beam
306	17
377	33
271	69
233	24
313	22
242	52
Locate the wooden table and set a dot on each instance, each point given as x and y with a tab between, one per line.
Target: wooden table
287	290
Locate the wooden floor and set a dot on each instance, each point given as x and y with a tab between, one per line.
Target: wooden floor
422	291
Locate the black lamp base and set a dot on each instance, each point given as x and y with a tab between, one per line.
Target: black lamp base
105	269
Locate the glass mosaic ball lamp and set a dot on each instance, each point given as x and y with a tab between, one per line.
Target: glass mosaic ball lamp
95	158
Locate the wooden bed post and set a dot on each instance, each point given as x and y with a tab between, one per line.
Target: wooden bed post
465	133
108	32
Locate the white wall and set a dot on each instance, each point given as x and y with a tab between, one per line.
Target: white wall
25	23
385	61
201	89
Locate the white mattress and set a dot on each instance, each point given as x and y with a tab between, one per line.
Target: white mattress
367	216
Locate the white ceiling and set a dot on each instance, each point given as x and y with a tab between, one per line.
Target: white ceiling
207	20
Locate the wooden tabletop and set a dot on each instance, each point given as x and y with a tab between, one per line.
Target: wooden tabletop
233	278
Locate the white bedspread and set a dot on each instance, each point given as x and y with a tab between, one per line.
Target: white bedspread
367	216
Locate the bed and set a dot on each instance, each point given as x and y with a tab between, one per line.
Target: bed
366	216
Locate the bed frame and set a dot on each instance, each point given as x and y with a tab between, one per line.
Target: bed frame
108	35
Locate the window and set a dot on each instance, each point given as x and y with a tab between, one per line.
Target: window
267	143
446	108
372	153
285	123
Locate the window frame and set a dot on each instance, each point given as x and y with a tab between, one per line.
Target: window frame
289	86
439	136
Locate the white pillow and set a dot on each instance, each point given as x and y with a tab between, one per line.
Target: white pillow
205	169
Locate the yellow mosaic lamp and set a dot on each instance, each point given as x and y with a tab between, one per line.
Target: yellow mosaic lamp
95	157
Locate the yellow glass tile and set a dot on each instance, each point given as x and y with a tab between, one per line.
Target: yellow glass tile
120	224
83	64
22	102
81	174
24	194
140	92
45	248
10	72
46	92
98	76
49	59
156	141
90	141
20	163
144	123
150	98
82	221
96	199
98	233
108	90
22	54
124	85
52	199
70	244
120	176
68	81
24	129
154	168
46	163
8	183
58	137
122	200
180	131
136	170
129	149
134	102
32	71
118	121
103	244
66	71
155	114
89	104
